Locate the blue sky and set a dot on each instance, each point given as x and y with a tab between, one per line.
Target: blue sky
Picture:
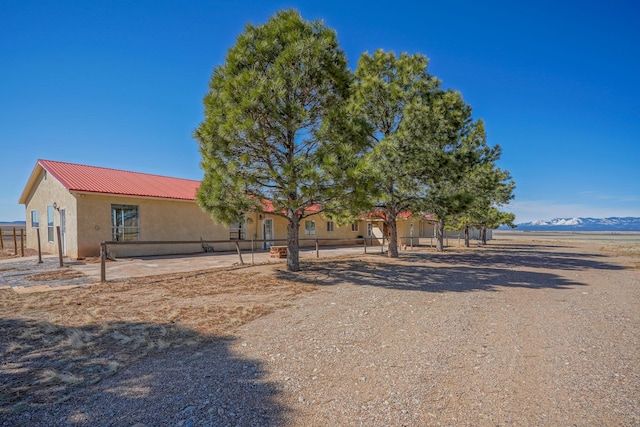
120	84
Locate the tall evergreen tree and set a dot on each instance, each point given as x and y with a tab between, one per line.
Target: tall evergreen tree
262	136
408	121
492	187
471	180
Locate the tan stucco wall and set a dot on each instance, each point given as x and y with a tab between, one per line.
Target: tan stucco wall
339	232
421	228
160	220
45	192
255	230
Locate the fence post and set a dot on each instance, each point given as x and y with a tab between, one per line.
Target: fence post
39	247
252	250
364	241
15	242
1	239
59	246
103	262
317	250
382	245
22	242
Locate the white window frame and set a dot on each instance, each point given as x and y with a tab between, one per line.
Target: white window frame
123	229
309	227
50	224
35	221
238	231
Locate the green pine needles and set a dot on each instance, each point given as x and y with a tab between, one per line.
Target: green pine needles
286	121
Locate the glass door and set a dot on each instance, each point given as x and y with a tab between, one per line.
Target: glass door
268	232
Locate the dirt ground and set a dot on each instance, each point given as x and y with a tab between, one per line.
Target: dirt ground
524	331
76	337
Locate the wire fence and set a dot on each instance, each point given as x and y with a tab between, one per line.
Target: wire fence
277	247
13	239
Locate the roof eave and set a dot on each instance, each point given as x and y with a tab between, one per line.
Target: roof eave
133	196
30	183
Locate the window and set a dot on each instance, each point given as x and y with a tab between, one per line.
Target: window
309	228
354	226
125	223
369	229
329	225
34	219
236	231
50	223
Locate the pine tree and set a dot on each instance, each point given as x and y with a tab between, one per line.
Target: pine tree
264	130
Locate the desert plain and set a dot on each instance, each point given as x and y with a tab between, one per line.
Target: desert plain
531	329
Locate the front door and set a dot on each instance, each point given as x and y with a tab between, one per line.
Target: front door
63	231
267	230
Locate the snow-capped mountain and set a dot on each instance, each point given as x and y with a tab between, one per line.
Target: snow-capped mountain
583	224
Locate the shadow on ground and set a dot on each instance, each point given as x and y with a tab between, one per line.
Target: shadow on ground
57	375
526	256
482	270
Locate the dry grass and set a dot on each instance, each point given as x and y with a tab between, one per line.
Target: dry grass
627	252
629	249
55	341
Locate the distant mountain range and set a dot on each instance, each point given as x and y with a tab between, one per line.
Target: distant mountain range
583	224
16	223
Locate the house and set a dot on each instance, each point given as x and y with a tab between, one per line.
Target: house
272	228
412	229
94	204
268	225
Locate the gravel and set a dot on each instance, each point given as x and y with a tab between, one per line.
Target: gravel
516	333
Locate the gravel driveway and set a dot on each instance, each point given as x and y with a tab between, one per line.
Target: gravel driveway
517	333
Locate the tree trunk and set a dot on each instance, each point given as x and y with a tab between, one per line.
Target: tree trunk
484	235
392	235
293	259
466	236
440	236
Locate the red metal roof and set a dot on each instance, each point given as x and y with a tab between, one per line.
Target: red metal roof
380	215
267	207
93	179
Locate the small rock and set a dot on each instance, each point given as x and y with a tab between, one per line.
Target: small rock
301	399
363	379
